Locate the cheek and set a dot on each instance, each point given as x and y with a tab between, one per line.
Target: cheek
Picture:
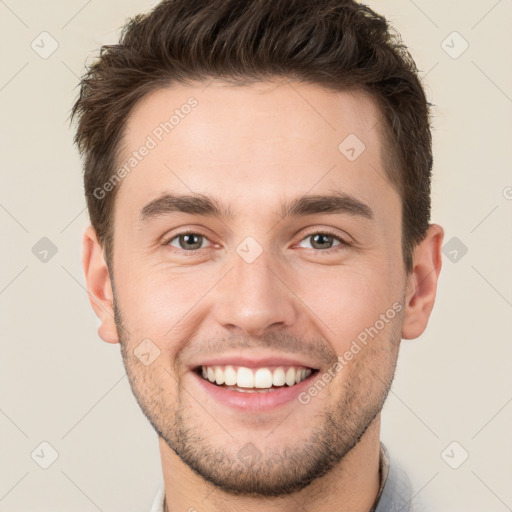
158	302
347	302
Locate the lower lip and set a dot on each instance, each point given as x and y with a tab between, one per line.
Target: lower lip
254	401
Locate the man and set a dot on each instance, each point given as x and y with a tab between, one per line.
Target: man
257	176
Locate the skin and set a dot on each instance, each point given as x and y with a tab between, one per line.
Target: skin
255	147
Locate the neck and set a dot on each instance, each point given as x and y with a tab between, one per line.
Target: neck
352	485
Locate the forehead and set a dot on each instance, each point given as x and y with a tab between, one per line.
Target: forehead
253	145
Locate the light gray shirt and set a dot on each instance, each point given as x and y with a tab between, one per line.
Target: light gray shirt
395	493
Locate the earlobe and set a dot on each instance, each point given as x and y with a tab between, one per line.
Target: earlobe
99	286
422	283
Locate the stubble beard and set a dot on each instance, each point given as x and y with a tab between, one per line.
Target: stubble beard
273	471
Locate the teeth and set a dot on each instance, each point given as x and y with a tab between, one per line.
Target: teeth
230	376
278	377
290	376
245	378
219	376
261	378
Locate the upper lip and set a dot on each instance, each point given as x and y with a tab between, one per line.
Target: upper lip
252	362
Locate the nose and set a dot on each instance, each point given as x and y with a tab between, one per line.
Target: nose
254	297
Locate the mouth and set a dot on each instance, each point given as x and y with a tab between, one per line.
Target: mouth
265	379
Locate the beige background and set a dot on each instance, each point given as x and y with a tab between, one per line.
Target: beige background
61	384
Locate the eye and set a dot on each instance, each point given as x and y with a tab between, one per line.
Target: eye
322	241
187	241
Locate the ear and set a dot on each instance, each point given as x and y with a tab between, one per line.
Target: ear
99	286
422	282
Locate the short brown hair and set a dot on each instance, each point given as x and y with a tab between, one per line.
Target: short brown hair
340	44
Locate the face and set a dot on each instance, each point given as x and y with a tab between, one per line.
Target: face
255	246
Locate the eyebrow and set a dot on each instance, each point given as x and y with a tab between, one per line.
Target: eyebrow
198	204
339	202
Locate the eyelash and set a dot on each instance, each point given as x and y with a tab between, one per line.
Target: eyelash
343	242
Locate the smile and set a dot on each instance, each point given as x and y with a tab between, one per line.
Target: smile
254	380
254	389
